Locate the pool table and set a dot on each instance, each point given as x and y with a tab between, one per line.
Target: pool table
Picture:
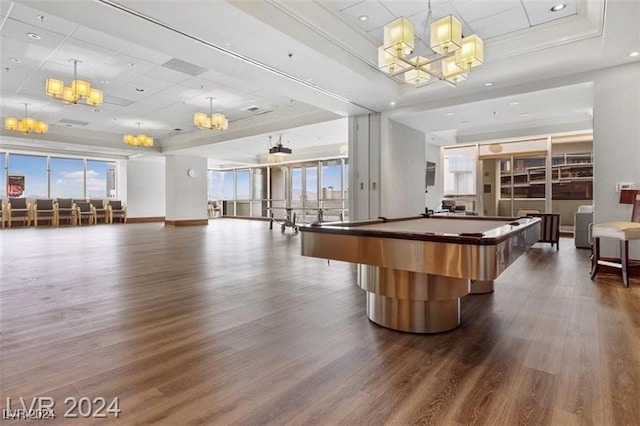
416	269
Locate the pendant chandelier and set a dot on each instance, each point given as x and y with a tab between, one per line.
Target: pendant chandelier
139	139
453	57
26	125
211	121
80	90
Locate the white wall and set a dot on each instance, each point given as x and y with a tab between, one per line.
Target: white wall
402	170
186	195
616	142
433	198
145	187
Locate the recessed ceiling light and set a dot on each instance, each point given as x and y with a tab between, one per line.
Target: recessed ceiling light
16	60
42	18
514	103
488	84
558	7
450	113
633	54
392	103
363	18
131	64
524	114
252	100
34	36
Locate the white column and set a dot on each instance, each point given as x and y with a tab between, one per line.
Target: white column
145	189
186	188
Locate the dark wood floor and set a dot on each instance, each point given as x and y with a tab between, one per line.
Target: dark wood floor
228	324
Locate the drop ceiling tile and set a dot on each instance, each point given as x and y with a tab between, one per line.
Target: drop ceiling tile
217	77
141	53
135	91
341	4
378	15
200	85
123	62
148	81
539	11
167	74
377	34
101	39
49	22
89	55
411	7
472	10
19	30
22	49
243	86
501	23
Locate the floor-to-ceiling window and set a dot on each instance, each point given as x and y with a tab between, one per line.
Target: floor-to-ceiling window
67	178
101	179
333	195
27	176
306	187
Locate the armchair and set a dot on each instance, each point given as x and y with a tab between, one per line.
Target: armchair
45	209
18	209
116	209
3	210
581	226
66	210
85	209
213	208
100	209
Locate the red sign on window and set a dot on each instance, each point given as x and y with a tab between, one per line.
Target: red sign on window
15	187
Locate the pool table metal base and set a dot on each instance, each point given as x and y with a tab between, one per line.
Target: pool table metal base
412	301
481	287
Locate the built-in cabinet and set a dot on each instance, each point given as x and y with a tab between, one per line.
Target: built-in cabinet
571	177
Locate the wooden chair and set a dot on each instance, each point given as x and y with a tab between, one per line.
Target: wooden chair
621	231
3	210
549	228
18	209
45	209
85	209
213	208
116	209
100	209
66	210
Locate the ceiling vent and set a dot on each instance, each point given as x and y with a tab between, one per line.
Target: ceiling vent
72	123
114	100
258	111
184	67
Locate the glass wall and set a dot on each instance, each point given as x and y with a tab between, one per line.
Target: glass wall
101	179
67	178
333	196
307	187
243	185
40	176
214	185
28	177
